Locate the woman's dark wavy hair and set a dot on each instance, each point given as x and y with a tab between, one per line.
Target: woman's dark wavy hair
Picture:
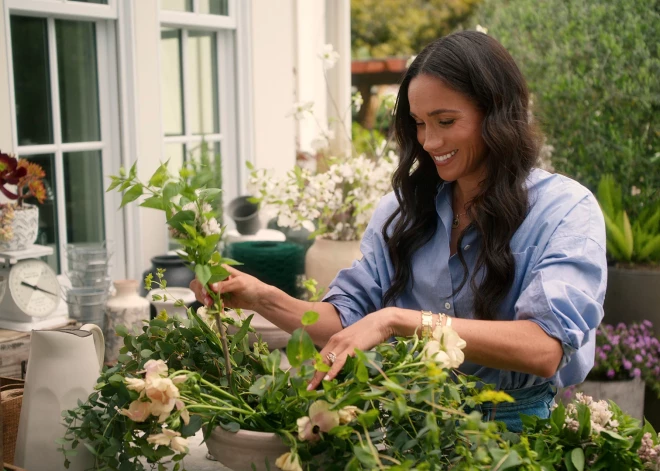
479	67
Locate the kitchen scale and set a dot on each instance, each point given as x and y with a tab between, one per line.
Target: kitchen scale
30	291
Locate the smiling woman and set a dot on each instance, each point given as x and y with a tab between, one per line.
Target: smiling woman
473	232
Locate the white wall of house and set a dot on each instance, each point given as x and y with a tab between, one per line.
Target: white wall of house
277	45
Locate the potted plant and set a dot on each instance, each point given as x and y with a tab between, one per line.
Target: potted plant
399	406
634	250
627	359
19	221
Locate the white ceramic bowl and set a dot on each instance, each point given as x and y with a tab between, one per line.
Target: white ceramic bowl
173	294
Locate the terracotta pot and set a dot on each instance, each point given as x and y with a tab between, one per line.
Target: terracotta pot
24	226
325	258
246	450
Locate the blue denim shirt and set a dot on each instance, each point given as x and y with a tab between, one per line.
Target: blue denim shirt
560	275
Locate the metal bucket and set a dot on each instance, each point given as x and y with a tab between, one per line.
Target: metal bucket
87	305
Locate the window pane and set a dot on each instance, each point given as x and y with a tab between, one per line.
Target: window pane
176	5
83	183
214	7
29	44
202	83
172	91
78	80
48	230
175	154
102	2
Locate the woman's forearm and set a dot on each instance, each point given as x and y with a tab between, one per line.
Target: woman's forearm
286	313
508	345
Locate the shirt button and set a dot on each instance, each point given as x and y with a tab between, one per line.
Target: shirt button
447	306
467	247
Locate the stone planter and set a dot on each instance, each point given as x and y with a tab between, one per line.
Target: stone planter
326	257
628	395
246	450
24	227
633	295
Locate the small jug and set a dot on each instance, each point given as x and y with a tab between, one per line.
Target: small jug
63	367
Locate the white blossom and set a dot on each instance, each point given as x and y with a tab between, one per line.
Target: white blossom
358	101
482	29
300	109
329	56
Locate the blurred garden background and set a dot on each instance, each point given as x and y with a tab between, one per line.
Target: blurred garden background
592	67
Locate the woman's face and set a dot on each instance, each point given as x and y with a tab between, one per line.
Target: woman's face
448	128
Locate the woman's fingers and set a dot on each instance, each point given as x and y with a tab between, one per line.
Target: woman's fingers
328	356
200	293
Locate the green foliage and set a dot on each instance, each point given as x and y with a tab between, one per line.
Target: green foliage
385	28
638	242
206	172
593	69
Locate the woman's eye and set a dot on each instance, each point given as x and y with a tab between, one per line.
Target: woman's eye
418	124
448	122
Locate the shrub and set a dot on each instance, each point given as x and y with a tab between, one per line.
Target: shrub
593	71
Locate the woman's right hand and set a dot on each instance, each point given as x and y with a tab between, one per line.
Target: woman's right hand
240	290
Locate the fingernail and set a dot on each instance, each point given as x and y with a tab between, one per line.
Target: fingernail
327	378
309	387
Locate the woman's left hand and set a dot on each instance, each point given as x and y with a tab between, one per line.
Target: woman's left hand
365	334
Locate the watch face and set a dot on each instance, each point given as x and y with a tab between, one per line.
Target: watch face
34	287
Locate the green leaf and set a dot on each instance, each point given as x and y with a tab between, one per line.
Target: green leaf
367	419
121	330
310	318
159	177
504	460
154	202
132	194
365	455
116	379
181	217
146	353
577	458
300	348
203	273
124	358
114	184
261	385
209	194
238	336
193	426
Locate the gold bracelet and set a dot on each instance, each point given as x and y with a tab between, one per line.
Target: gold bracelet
441	317
427	324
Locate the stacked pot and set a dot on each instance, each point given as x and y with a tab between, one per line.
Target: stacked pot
89	275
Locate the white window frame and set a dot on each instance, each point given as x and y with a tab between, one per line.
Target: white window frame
234	88
104	17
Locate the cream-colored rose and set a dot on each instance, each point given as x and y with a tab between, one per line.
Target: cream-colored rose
288	462
348	414
179	379
135	384
138	411
433	352
155	367
179	444
161	389
320	419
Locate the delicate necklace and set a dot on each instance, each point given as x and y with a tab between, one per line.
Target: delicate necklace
454	224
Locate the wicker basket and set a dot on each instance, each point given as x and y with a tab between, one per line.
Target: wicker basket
11	395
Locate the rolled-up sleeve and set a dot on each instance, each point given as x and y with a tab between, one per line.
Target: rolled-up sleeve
358	290
567	286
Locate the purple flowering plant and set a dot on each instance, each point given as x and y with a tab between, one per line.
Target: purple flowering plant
627	352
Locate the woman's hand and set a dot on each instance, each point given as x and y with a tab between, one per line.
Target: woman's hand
365	334
239	291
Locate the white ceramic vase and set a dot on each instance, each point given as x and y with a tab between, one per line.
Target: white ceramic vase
63	367
326	257
125	308
24	227
246	450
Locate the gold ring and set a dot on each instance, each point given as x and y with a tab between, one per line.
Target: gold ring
331	357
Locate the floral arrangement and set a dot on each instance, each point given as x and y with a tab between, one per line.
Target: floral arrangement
399	406
27	177
336	204
334	197
626	352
